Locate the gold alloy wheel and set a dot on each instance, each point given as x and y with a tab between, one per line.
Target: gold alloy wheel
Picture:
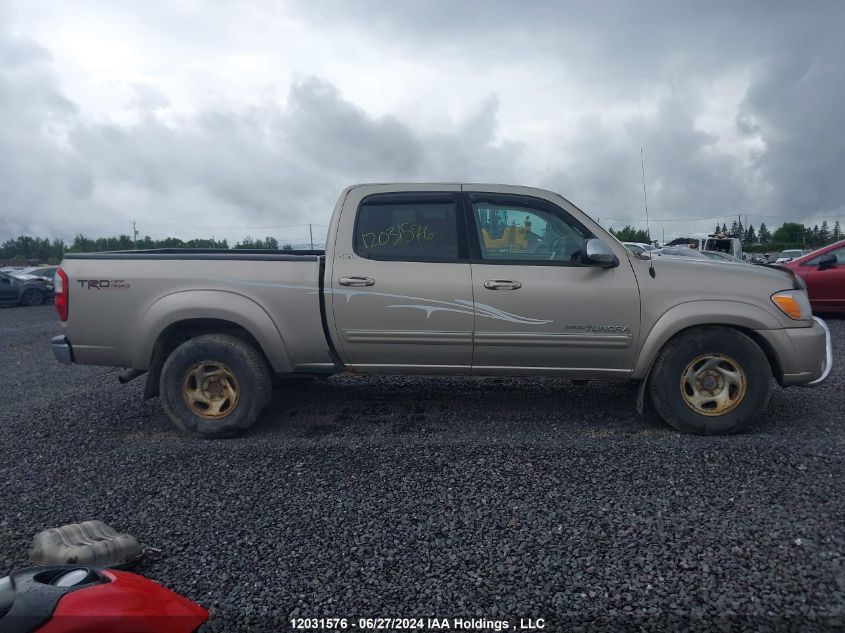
210	390
713	384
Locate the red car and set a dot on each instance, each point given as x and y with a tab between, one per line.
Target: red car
824	272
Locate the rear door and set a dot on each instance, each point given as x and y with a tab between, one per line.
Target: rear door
538	309
401	287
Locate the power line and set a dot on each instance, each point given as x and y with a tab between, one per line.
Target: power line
722	217
228	228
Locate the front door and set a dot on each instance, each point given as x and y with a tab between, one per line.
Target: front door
401	288
538	309
826	288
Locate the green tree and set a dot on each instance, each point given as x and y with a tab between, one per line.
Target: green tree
630	234
791	233
837	232
735	230
750	236
763	236
824	233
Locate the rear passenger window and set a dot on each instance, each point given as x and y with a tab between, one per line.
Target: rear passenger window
424	230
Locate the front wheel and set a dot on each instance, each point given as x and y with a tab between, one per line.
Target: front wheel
215	385
710	381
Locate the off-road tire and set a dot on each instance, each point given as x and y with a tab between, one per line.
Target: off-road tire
665	380
248	367
33	297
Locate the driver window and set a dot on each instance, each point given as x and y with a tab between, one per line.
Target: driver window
522	233
839	253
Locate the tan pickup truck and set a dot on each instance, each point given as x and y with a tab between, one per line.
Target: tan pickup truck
442	279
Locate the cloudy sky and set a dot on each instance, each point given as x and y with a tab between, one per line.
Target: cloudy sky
198	118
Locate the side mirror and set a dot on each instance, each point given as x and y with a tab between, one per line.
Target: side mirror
597	253
828	261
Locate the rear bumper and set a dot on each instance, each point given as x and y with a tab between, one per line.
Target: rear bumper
62	349
804	355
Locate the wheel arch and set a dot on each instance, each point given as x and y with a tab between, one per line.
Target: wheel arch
744	317
182	316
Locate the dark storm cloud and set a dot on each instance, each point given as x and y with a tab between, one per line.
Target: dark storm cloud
278	162
271	164
797	105
622	50
683	172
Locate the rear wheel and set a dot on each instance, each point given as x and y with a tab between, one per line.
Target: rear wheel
33	297
710	381
215	385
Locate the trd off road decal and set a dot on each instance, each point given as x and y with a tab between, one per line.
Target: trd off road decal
103	284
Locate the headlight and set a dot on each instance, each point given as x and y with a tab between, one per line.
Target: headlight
794	304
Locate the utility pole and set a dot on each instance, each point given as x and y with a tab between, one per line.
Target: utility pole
212	241
311	235
134	235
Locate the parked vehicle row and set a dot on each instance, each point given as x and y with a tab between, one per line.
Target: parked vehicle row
36	272
637	248
34	291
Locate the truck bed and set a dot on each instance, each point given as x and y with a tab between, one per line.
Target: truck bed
121	302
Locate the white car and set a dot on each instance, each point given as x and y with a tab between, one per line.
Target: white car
722	257
789	255
638	248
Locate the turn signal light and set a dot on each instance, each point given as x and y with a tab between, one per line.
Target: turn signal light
788	305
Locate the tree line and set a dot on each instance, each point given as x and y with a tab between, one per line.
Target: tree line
787	235
51	251
25	247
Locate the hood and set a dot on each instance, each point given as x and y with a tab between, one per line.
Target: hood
711	272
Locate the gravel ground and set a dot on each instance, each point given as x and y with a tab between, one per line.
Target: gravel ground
446	497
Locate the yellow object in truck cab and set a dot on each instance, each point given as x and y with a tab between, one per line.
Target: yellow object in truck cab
514	238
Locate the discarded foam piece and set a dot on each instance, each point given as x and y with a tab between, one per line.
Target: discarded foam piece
87	543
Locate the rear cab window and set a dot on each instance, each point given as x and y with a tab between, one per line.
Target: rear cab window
410	227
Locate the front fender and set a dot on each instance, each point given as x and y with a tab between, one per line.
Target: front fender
695	313
209	304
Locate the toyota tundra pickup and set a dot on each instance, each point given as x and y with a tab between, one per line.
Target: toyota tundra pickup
442	279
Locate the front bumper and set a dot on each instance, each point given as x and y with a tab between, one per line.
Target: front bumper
804	355
62	349
827	363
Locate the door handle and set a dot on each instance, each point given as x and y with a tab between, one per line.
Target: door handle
356	281
502	284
